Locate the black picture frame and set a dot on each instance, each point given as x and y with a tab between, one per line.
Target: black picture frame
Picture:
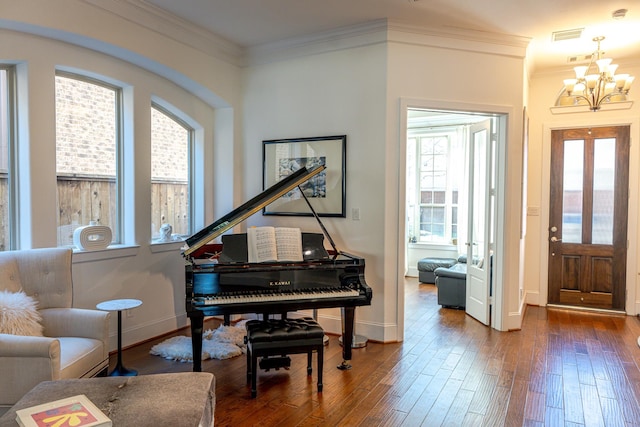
326	192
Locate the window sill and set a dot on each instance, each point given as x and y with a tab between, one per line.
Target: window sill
112	252
438	246
157	246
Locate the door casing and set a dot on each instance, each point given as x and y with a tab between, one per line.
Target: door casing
538	295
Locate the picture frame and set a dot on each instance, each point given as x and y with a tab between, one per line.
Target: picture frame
326	192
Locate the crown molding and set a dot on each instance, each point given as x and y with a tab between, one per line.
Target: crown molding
460	39
382	31
368	33
155	19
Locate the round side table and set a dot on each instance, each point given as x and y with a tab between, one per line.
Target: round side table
119	305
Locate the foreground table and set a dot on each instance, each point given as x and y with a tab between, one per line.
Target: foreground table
177	399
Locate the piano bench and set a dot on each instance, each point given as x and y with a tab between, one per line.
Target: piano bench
279	337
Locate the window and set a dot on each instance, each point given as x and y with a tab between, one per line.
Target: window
7	110
87	141
171	141
433	189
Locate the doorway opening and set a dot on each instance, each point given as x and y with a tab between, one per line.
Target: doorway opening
451	207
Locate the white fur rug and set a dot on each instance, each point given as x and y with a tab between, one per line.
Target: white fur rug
222	343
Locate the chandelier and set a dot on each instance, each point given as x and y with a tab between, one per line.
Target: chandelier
595	87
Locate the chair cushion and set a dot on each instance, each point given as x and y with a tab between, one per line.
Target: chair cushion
80	356
19	314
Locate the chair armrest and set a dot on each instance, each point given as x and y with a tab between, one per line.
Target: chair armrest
76	322
457	271
25	362
24	346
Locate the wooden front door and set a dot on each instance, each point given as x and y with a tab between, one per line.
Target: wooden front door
588	217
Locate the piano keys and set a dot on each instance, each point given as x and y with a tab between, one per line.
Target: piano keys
220	281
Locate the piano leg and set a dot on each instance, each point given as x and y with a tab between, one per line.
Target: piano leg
197	323
348	319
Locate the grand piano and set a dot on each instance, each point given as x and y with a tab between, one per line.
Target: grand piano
220	280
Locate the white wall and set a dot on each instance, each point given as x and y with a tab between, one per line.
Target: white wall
543	90
333	93
443	74
351	86
357	91
202	87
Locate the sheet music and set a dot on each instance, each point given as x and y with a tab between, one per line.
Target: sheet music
274	244
289	244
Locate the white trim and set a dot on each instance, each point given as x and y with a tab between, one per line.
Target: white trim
500	318
632	306
159	20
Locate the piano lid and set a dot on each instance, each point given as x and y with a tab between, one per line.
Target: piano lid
243	212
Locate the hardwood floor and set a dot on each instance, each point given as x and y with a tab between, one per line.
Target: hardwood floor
564	368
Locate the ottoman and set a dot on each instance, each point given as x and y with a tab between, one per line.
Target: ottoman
178	399
426	267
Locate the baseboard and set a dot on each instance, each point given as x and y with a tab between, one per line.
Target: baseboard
143	332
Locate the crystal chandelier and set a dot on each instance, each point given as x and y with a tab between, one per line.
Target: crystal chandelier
595	88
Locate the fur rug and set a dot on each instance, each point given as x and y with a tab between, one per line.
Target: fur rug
222	343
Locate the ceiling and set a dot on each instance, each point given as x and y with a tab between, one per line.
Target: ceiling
251	23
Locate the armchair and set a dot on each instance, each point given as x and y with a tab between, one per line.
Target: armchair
74	342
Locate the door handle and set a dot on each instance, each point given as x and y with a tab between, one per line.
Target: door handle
555	239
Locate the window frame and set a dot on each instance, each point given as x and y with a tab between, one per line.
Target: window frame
191	176
421	134
118	229
12	226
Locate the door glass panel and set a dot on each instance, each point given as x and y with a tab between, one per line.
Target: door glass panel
572	191
604	154
479	191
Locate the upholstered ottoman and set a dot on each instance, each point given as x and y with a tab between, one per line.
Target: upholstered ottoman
178	399
426	267
273	339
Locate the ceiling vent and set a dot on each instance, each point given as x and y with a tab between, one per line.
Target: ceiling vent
558	36
580	58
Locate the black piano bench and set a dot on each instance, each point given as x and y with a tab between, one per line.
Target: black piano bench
279	337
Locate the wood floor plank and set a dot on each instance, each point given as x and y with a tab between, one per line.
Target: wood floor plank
497	410
554	392
572	402
482	397
440	409
517	401
563	368
536	407
612	413
419	412
554	417
592	410
458	409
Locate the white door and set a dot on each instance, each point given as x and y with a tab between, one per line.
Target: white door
481	217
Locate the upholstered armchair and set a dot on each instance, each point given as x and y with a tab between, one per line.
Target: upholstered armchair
65	343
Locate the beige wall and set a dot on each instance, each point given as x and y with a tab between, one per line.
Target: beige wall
543	90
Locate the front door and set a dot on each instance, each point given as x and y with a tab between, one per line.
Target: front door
588	217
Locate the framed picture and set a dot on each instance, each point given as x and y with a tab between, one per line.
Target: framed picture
325	191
